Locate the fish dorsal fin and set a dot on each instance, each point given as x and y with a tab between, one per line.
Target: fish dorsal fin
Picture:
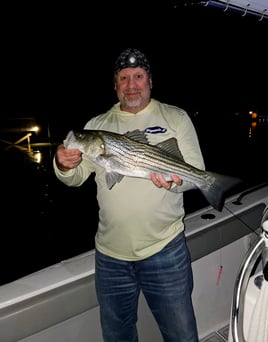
171	146
137	135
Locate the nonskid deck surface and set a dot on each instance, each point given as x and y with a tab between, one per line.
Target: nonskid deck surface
217	336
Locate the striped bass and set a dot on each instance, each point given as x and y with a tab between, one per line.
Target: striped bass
131	155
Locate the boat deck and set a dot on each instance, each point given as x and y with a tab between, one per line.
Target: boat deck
217	336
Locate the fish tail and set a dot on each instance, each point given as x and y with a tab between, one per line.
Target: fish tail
217	188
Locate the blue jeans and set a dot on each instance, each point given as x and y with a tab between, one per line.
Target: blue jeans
166	282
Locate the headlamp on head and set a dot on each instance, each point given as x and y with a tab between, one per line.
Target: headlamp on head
132	58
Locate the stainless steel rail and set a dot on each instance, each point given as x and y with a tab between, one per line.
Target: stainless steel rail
237	319
244	273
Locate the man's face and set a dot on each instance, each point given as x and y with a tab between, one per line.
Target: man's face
133	87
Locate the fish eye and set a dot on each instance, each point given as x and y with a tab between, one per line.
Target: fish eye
102	146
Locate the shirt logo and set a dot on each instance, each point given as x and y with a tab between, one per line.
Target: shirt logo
155	130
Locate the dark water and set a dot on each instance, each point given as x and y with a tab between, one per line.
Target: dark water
44	221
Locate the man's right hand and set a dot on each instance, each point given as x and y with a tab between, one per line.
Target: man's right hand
67	159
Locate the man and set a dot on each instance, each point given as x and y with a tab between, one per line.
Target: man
140	241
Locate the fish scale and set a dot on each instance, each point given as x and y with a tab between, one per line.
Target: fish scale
147	159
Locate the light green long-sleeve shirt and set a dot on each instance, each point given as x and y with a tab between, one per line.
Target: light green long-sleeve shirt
137	219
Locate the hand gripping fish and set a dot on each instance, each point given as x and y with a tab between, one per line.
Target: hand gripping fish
131	155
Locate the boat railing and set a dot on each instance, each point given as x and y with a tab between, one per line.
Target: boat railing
259	248
238	201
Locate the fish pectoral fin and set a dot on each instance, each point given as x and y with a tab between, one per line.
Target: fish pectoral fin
112	178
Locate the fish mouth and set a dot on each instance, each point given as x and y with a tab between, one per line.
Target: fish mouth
70	138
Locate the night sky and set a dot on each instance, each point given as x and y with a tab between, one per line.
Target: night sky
58	60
